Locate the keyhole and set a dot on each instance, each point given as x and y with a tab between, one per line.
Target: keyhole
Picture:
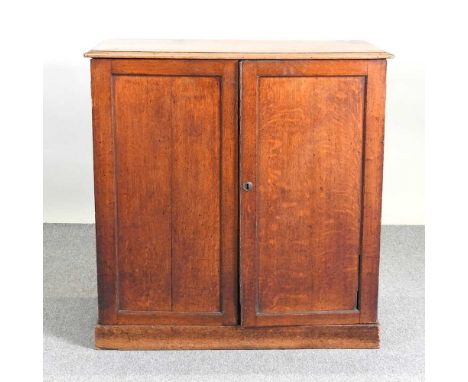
247	186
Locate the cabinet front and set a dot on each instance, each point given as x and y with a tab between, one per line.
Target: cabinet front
311	148
166	162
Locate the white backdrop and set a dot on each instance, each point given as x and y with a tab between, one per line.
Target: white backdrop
68	183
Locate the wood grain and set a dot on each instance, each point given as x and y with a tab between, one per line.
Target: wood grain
236	49
171	225
132	337
309	150
104	195
196	194
142	138
302	139
373	176
170	196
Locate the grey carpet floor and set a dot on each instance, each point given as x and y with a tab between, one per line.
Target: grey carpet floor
70	315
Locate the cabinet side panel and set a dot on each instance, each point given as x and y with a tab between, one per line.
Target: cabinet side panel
374	144
104	188
309	159
142	112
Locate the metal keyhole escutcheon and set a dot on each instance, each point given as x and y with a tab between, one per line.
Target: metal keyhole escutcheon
247	186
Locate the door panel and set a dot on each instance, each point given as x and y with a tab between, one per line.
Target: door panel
143	192
309	150
171	151
302	145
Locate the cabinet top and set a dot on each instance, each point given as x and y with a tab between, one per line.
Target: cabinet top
236	49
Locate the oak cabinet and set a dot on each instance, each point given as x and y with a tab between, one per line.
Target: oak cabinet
238	193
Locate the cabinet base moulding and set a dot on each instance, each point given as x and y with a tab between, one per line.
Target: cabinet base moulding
152	337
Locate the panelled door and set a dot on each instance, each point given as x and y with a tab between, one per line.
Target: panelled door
165	134
311	170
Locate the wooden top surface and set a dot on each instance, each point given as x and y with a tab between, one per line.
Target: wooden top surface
236	49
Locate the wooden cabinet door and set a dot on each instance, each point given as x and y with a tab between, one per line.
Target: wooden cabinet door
165	149
311	144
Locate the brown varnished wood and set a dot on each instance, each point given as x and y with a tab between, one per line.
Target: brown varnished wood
171	223
196	163
309	140
169	201
143	147
168	190
104	175
132	337
236	49
372	193
304	129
